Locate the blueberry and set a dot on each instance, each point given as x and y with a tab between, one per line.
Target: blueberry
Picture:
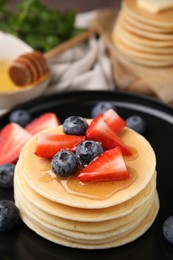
6	175
20	117
136	123
88	150
168	229
64	163
9	215
101	108
75	125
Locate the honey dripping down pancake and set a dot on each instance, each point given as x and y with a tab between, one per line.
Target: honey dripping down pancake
88	215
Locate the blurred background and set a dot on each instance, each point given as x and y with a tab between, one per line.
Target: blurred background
78	5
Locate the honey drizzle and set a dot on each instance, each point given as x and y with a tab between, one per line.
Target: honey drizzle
97	190
93	190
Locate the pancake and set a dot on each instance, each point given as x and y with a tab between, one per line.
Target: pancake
162	19
131	236
88	227
138	39
142	26
143	43
35	172
142	61
146	34
141	54
85	235
141	47
120	212
80	214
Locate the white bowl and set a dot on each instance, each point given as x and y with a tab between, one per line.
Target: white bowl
10	48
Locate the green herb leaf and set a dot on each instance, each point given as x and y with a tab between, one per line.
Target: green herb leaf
36	24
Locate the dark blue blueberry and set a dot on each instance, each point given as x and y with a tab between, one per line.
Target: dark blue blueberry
9	215
6	175
75	125
168	229
64	163
101	108
136	123
20	117
88	150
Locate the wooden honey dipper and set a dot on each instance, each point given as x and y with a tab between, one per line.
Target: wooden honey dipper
30	67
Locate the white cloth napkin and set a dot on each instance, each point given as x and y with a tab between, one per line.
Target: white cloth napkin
84	67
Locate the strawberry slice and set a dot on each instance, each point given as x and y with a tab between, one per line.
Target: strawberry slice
49	144
109	166
100	131
12	139
114	120
43	122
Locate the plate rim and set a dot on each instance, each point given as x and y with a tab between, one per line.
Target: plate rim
152	100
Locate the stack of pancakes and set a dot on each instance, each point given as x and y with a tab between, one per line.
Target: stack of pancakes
74	220
143	35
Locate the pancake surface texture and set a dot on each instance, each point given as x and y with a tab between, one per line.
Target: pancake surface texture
143	36
76	218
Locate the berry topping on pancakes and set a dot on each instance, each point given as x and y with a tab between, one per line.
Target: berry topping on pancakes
49	144
64	163
114	120
109	166
99	150
100	131
75	125
88	150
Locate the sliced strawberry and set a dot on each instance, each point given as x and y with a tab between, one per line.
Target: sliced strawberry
114	120
49	144
12	139
100	131
43	122
109	166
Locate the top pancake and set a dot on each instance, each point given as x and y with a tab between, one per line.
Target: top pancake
33	169
162	19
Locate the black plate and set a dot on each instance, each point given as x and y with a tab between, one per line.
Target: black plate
22	243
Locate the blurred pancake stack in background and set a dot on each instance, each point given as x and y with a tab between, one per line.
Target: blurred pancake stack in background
144	32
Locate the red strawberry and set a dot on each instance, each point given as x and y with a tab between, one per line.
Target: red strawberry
49	144
109	166
114	120
43	122
12	139
100	131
